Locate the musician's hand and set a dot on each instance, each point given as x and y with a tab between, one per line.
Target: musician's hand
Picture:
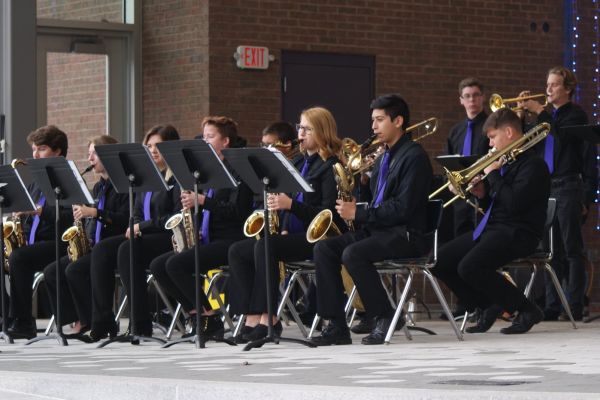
452	189
495	165
37	211
279	201
136	230
346	209
81	211
187	199
530	105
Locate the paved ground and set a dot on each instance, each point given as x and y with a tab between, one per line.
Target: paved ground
552	361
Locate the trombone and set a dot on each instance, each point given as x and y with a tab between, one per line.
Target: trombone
460	180
497	102
423	129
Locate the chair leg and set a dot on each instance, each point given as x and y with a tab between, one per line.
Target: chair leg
529	286
399	308
561	294
286	301
173	321
151	280
239	325
314	325
212	290
463	324
442	300
50	325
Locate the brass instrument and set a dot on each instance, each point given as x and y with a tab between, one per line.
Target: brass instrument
14	236
497	102
423	129
293	146
76	237
182	225
460	180
255	223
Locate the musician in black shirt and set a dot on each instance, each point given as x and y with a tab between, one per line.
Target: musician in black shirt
39	229
151	211
223	214
564	155
391	227
512	228
108	216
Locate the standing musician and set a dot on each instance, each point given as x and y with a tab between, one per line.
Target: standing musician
511	228
151	210
563	154
317	134
39	229
390	227
107	217
223	214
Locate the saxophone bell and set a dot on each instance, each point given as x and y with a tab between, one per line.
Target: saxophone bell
182	225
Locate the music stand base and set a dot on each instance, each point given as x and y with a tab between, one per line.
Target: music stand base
590	319
60	338
6	337
421	329
133	339
198	340
275	340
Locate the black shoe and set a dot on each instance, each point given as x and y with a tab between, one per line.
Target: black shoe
377	335
103	330
526	319
211	327
551	315
565	317
486	319
261	331
333	334
365	325
242	336
22	329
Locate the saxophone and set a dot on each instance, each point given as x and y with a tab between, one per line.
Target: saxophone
255	223
182	225
79	243
14	236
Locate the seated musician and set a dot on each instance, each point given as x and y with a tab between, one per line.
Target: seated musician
317	134
39	230
107	217
390	227
282	136
511	228
223	214
151	211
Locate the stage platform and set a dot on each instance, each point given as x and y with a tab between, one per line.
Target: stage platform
553	361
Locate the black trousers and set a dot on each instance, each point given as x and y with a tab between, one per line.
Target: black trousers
175	271
469	268
241	277
71	310
146	248
102	278
24	263
358	251
568	259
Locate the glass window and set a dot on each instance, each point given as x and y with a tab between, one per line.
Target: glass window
86	10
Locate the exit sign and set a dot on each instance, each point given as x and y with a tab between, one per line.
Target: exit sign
252	57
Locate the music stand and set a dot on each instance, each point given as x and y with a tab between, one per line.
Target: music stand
13	197
131	169
589	133
456	162
268	171
195	164
60	180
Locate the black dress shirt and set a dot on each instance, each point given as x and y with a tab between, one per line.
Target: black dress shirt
45	229
163	205
479	142
115	214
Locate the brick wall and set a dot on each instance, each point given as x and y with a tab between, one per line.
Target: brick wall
85	10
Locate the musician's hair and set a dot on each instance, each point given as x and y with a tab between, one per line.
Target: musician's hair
324	131
394	106
227	127
468	82
50	136
102	139
569	78
284	130
501	118
166	133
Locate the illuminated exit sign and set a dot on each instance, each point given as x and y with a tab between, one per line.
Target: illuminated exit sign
252	57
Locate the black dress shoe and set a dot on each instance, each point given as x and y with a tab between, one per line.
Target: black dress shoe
102	330
23	329
377	335
526	319
486	319
365	325
261	331
333	334
242	336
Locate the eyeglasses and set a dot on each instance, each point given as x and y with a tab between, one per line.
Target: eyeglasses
471	96
306	129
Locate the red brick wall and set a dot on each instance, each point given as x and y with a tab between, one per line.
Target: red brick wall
85	10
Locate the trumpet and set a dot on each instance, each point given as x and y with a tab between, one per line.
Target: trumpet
497	102
461	180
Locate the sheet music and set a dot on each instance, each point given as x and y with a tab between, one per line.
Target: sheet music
291	169
81	182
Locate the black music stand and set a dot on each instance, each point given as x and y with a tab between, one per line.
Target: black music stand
13	197
456	162
195	164
268	171
131	169
60	180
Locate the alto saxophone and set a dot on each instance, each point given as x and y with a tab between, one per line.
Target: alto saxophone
14	236
79	243
182	225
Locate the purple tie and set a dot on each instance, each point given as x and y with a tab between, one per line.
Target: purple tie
100	208
294	223
468	139
147	198
36	220
549	147
382	179
205	220
479	229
